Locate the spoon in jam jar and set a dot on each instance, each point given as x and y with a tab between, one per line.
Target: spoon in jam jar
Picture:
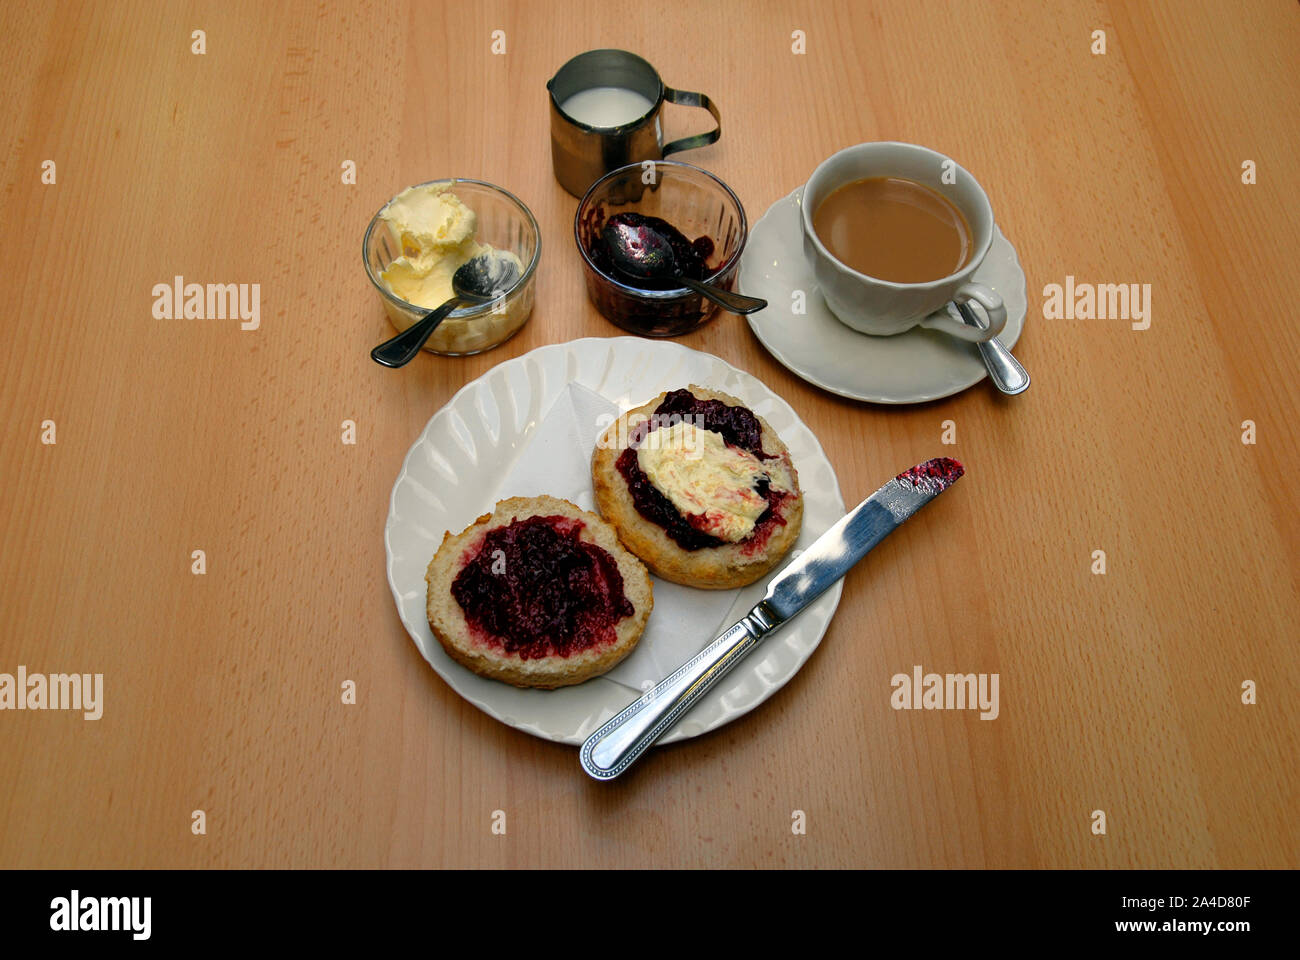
649	249
478	280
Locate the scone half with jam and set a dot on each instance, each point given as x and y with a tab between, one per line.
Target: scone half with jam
537	593
699	487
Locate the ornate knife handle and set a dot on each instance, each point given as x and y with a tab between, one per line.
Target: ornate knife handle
616	745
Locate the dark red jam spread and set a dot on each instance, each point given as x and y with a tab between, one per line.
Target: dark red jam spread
936	475
539	590
738	427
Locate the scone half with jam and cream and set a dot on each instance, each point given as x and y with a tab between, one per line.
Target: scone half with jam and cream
538	593
699	487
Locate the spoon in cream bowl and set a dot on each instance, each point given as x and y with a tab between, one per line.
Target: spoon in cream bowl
481	279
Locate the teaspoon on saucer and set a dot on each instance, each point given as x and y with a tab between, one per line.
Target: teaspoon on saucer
1006	372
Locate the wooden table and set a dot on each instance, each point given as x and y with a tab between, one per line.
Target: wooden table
1120	692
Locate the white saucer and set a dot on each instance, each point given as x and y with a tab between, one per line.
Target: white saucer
911	367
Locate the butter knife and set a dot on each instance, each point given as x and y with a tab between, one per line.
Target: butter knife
617	744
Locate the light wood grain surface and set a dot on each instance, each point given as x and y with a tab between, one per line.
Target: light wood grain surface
1119	693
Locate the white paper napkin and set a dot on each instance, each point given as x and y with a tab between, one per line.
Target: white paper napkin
556	460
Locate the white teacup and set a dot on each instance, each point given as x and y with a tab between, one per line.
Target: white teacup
881	307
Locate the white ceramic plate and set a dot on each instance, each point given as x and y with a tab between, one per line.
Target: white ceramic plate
908	368
451	475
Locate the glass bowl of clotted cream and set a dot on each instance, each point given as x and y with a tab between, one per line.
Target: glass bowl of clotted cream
421	236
